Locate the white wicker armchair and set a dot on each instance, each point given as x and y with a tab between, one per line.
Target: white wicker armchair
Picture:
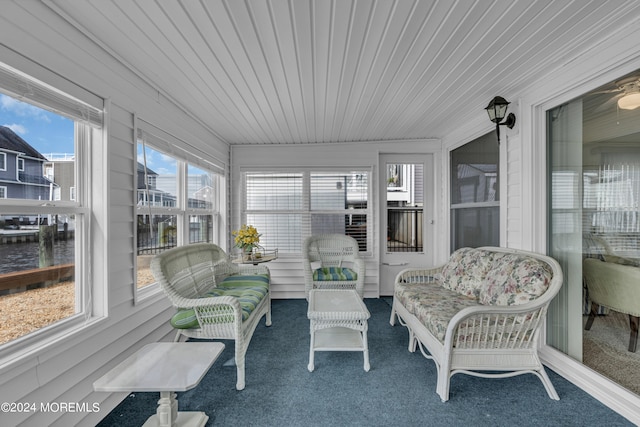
332	254
188	273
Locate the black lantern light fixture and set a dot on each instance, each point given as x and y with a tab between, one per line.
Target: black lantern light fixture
497	109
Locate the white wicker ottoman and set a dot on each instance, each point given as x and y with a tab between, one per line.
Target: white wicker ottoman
338	322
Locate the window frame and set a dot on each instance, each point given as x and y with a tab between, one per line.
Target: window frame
306	210
182	211
457	207
87	292
3	161
87	111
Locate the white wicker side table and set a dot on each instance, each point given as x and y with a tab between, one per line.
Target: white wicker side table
338	322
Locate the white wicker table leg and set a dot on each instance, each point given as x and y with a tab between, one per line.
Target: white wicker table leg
365	348
311	349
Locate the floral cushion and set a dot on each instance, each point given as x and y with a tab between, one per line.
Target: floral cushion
249	289
432	305
465	271
515	280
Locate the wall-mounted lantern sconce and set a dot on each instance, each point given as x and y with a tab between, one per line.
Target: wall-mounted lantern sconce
497	109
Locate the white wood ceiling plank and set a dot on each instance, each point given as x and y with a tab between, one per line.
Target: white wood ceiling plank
288	80
377	25
458	55
141	43
323	15
338	69
249	20
402	61
357	37
304	71
270	33
508	51
184	49
232	93
447	26
303	31
586	20
474	71
235	58
392	44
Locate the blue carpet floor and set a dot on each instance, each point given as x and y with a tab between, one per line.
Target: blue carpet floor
399	390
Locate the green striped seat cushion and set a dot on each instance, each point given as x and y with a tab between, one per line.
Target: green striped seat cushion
326	274
249	290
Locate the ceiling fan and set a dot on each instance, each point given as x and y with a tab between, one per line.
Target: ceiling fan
628	94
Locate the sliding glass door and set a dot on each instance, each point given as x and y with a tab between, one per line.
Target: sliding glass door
594	230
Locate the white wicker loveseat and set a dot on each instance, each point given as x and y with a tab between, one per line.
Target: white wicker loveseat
214	298
480	313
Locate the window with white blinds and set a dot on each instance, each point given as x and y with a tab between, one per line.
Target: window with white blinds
286	207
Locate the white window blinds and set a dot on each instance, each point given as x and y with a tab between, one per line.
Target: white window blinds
286	207
88	110
176	147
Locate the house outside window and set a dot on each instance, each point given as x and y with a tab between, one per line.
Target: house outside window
43	240
288	206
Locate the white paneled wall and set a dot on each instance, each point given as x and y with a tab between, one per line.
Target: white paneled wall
39	43
287	272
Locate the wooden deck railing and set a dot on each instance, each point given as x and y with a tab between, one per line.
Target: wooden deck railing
24	278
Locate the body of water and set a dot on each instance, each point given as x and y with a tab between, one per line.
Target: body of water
25	256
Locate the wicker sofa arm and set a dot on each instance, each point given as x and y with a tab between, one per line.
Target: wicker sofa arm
418	275
217	310
496	326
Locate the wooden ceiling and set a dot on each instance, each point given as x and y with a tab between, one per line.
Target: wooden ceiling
307	71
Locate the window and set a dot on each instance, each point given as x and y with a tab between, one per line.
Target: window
593	193
475	196
286	207
44	271
405	207
177	201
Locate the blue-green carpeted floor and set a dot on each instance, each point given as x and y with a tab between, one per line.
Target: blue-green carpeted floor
399	390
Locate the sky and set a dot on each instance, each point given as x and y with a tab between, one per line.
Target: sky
45	131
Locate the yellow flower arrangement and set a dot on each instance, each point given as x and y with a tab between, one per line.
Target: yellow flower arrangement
247	238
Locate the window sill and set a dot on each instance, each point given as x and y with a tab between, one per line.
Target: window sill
18	351
146	293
